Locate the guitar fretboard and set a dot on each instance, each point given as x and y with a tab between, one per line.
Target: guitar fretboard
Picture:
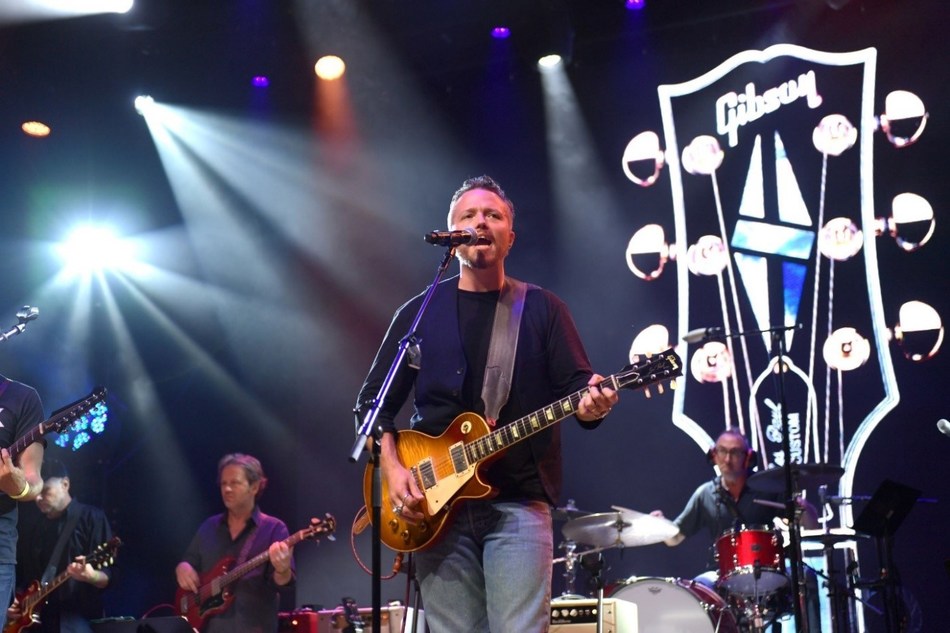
503	437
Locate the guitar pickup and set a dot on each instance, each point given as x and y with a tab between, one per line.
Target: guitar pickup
426	473
457	453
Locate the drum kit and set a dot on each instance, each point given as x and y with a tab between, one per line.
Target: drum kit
752	590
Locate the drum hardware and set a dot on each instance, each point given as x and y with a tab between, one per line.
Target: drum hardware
568	512
621	528
806	475
570	559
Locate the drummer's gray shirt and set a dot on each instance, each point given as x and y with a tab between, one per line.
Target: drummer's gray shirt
718	513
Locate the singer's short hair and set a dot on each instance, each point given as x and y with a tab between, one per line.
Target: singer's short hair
481	182
249	464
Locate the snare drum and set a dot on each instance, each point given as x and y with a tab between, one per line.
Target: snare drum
751	562
671	605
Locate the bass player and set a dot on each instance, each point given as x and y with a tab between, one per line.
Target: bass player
224	541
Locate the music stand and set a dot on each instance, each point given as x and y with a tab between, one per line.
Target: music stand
889	506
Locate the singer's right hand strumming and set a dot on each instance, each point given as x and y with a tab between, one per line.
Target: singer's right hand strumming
404	495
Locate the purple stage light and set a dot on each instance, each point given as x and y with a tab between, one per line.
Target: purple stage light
500	32
260	81
635	5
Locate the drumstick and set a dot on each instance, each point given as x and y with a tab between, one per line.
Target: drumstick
771	504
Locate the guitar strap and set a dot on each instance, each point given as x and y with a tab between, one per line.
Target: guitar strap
246	548
501	351
68	528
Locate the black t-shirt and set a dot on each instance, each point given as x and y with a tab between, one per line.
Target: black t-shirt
514	473
20	411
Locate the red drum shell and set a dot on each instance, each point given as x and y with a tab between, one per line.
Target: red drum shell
746	552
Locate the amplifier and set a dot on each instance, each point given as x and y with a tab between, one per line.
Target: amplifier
391	620
580	616
297	621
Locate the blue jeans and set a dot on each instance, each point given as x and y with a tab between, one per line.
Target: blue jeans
7	583
490	571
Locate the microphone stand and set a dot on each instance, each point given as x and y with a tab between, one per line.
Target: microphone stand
25	315
791	507
368	428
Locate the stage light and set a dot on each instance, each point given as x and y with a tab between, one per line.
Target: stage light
329	67
549	61
635	5
95	248
143	103
501	32
85	428
35	128
260	81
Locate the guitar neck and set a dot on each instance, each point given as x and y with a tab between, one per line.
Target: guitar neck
37	598
33	435
253	563
504	436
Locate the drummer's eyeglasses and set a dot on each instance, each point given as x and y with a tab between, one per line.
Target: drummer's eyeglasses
730	452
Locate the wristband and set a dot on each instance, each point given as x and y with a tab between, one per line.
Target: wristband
23	493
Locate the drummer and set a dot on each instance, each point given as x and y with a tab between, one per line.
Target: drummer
726	503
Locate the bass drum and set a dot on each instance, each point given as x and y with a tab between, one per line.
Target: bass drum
671	605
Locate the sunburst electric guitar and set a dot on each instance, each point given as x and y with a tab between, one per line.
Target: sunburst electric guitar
214	590
31	600
446	468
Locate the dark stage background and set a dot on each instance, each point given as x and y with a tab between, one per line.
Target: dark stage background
270	294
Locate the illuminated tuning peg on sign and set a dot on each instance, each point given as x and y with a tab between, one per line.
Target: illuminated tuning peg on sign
703	156
846	350
840	239
711	363
651	340
647	250
643	159
834	135
919	332
911	223
904	118
707	257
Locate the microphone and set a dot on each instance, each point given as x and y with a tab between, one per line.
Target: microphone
452	238
944	427
702	334
27	313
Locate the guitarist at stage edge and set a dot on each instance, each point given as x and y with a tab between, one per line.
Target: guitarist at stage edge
256	596
71	607
20	412
490	569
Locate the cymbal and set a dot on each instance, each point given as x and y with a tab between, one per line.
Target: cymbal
829	539
622	528
773	479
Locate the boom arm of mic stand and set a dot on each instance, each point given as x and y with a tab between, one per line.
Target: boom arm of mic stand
368	429
25	315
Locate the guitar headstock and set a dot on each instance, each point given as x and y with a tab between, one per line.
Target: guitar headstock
104	554
652	370
65	417
321	527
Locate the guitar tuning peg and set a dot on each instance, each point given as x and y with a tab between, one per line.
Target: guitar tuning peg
647	394
659	387
672	383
